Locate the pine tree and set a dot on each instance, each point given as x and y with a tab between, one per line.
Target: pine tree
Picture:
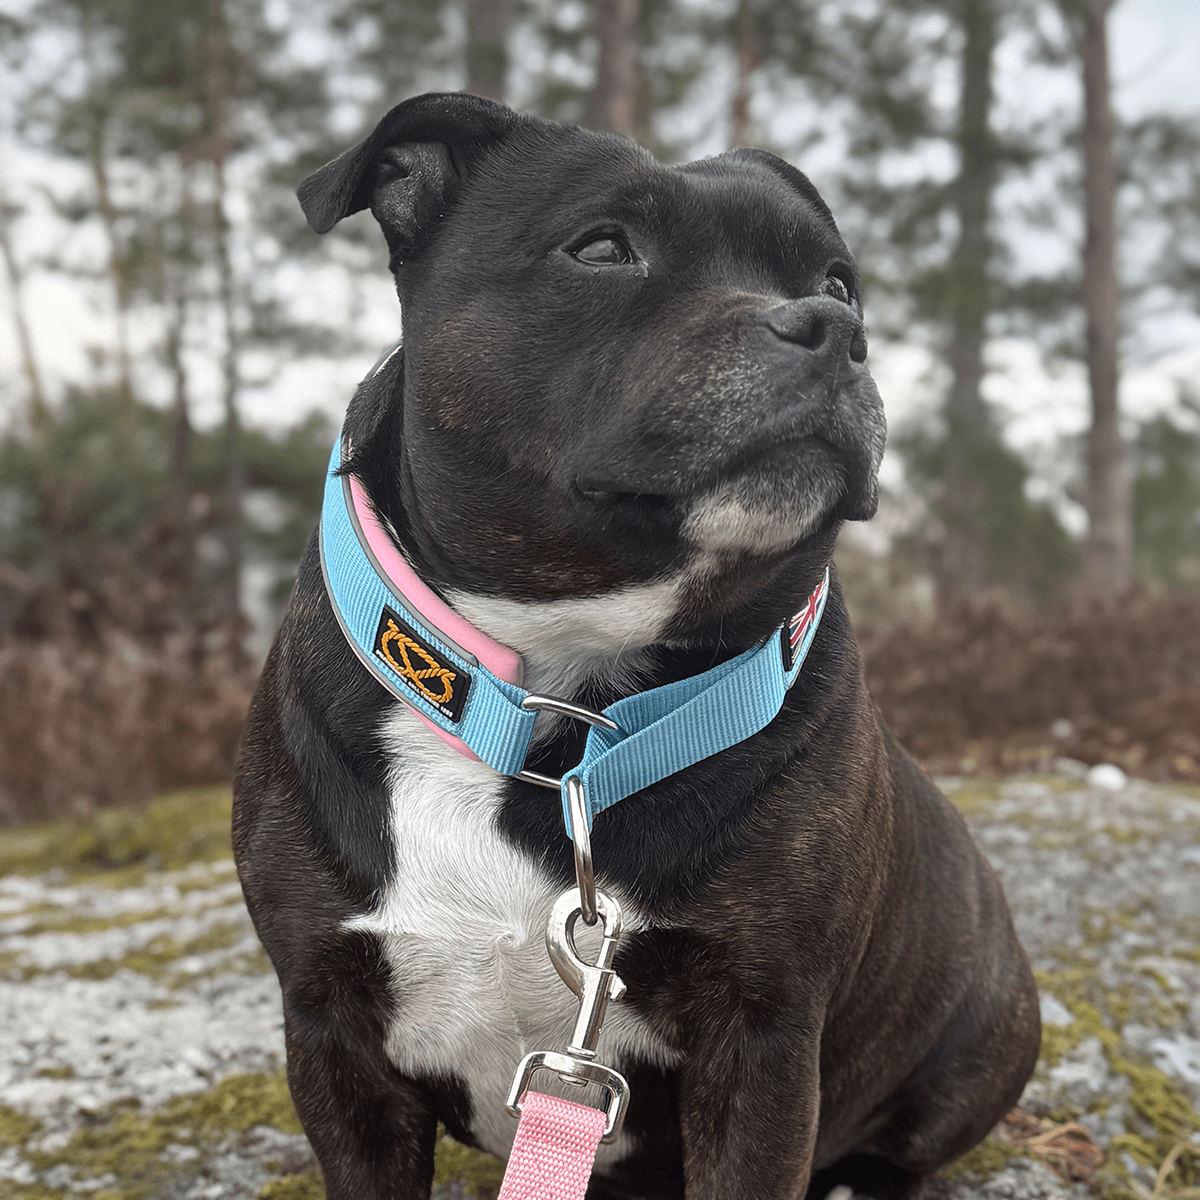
173	96
923	276
1108	548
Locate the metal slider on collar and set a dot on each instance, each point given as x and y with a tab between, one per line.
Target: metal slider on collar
578	712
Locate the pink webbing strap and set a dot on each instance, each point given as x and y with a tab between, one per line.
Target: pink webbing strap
554	1149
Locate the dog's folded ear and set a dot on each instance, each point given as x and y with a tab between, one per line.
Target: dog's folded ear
408	167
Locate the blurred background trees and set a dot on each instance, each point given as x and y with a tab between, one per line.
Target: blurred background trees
1014	235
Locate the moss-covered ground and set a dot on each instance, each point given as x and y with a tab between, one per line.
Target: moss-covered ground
150	874
150	897
1113	960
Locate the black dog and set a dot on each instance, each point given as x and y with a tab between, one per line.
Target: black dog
630	414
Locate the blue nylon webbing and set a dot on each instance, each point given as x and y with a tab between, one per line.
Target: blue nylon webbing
664	730
493	723
674	726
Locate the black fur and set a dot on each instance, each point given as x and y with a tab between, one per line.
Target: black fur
825	947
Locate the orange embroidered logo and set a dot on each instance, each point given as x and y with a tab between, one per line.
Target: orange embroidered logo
430	669
420	666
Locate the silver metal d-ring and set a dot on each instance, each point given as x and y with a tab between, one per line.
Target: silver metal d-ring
567	709
582	841
536	703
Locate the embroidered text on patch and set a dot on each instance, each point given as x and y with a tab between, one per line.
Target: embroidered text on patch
429	674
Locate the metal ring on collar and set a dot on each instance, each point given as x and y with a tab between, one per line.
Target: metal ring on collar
578	712
585	877
576	800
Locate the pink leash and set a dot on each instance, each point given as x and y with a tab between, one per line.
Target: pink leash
554	1149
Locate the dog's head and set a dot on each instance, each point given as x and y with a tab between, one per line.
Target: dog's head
615	372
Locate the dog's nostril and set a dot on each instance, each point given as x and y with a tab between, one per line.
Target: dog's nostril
820	324
807	329
813	336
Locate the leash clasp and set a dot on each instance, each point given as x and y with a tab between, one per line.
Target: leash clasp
595	984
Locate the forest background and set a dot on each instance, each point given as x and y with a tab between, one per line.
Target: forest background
180	346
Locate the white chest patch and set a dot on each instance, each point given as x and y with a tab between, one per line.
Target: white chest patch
563	642
463	927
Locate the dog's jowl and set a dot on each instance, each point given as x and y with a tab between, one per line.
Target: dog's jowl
630	412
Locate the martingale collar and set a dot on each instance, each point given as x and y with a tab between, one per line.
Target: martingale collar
467	687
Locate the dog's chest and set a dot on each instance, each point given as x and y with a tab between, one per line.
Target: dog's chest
463	926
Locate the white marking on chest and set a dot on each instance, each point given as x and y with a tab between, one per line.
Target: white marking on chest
463	926
565	642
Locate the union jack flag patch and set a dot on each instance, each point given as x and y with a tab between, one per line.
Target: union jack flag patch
792	635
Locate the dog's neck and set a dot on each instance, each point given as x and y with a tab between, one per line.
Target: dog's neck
571	645
589	648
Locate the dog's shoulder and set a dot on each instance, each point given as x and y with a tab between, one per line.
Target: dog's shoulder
310	792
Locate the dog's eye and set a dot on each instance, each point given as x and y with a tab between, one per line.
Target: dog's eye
833	285
604	252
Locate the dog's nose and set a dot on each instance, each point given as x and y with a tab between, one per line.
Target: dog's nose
821	324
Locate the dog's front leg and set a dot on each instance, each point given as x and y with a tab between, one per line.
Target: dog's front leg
372	1128
748	1110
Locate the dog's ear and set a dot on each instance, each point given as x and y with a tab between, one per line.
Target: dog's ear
409	167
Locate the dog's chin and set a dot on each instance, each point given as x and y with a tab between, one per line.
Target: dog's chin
777	501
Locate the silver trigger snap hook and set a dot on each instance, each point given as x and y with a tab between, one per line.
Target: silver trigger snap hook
595	984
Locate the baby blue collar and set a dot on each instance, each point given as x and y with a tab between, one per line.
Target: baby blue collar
466	686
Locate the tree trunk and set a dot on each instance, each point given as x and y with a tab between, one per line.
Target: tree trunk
181	447
964	559
108	215
218	88
234	467
1108	547
97	155
487	46
39	413
747	58
176	279
613	103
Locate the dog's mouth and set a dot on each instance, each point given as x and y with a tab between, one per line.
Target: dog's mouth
761	497
604	491
778	455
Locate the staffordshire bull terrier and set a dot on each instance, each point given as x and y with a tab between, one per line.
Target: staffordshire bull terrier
630	412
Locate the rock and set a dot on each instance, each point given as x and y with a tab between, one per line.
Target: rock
1054	1012
1021	1179
148	1006
1107	776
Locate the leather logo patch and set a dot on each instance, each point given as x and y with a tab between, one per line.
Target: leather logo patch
425	670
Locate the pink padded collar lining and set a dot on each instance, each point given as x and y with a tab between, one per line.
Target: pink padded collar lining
503	662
